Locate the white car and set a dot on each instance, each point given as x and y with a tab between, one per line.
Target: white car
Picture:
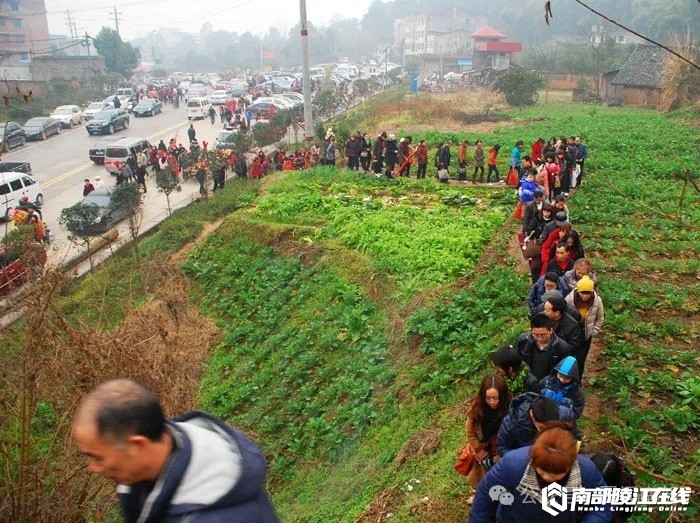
220	97
295	98
68	115
94	107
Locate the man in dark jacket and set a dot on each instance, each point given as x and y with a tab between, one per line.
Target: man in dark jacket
532	214
191	133
378	153
567	328
541	349
193	468
352	152
444	156
526	417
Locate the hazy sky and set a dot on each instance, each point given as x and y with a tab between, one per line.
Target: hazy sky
139	17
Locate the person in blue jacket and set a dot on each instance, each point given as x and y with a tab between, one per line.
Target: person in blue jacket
563	387
512	490
194	468
551	281
528	415
515	157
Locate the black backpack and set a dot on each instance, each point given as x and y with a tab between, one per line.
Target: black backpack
616	474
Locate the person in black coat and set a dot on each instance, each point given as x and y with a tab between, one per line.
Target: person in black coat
526	416
566	327
541	348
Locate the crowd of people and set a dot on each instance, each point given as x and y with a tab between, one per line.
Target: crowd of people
521	426
557	164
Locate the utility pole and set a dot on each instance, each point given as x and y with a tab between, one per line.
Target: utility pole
116	18
70	25
306	81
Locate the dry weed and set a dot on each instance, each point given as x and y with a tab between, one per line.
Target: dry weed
381	508
162	344
422	443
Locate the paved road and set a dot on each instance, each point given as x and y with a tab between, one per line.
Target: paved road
61	163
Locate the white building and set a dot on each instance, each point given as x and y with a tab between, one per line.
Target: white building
444	32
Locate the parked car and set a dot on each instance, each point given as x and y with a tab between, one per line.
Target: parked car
11	135
225	138
148	107
19	167
95	107
68	115
109	215
221	96
14	187
96	153
238	88
107	121
40	128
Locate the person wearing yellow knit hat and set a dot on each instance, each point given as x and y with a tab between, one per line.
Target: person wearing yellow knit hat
590	306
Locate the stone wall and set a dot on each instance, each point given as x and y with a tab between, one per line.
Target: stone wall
68	68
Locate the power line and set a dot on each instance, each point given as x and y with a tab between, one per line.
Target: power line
45	51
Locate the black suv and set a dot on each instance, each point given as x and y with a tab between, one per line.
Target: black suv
12	134
108	121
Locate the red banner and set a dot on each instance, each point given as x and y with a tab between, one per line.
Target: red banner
268	54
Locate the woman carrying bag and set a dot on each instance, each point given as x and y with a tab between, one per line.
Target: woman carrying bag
486	412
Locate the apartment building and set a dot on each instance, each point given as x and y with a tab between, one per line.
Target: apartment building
24	32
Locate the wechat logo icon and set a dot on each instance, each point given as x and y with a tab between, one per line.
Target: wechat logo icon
500	494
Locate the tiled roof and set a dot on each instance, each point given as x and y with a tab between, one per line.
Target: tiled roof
643	68
488	32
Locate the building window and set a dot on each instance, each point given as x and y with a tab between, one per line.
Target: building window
5	38
19	39
14	6
24	58
17	22
2	22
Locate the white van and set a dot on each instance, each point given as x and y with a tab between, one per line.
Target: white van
121	149
14	187
198	108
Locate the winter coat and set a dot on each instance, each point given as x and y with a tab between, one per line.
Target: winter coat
352	147
443	156
493	156
569	331
532	220
379	144
479	156
517	429
516	475
214	474
475	438
534	299
595	317
422	154
569	396
392	150
556	351
330	152
554	265
527	190
515	159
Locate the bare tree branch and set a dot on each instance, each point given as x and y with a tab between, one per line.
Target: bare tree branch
548	15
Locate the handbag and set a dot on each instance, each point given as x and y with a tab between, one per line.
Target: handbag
465	460
531	248
364	154
512	179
